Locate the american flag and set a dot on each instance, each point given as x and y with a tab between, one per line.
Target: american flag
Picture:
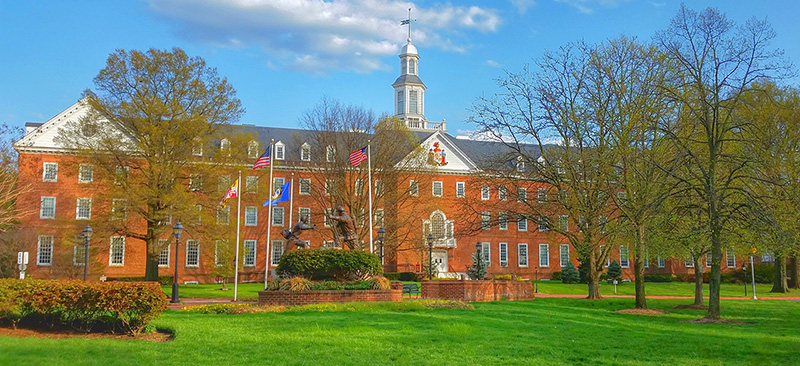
263	160
356	157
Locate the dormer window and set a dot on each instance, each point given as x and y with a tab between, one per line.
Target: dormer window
305	152
279	151
253	149
330	153
197	150
225	145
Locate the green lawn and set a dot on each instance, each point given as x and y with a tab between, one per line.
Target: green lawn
249	291
539	332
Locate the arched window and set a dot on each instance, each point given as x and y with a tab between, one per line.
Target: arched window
438	225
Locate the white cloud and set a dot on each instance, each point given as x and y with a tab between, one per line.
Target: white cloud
587	6
492	63
318	36
522	5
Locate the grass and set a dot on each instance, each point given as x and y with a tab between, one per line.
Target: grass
249	291
539	332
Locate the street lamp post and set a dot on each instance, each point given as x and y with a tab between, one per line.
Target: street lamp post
87	236
176	231
430	256
381	236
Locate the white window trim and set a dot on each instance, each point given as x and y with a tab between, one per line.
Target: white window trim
561	252
251	187
254	254
485	192
300	187
44	172
502	221
253	149
255	211
522	194
305	147
283	216
413	187
486	220
503	252
280	154
78	208
519	257
111	252
51	243
661	262
41	208
273	257
186	259
486	252
565	219
441	188
217	243
91	170
544	261
728	256
541	195
627	256
522	218
75	255
168	249
463	189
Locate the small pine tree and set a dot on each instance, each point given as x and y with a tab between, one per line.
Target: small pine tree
477	270
614	271
570	274
583	271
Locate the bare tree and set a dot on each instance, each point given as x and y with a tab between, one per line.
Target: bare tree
715	61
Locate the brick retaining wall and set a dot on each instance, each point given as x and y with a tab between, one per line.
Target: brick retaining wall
469	290
316	297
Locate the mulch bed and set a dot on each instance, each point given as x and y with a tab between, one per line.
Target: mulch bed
642	311
692	306
57	334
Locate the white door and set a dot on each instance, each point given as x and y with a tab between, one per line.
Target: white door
440	262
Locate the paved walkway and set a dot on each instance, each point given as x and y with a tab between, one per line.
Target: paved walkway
667	297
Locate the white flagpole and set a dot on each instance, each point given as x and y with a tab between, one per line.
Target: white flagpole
291	205
369	175
269	210
238	227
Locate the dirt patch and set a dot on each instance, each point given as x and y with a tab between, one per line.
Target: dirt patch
159	336
642	311
692	306
714	321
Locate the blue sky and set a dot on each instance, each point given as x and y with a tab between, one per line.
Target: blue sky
283	56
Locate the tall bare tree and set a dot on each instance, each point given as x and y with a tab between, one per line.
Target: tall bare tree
159	128
715	62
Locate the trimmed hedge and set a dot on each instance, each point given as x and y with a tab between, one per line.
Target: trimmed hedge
104	306
655	277
322	264
162	280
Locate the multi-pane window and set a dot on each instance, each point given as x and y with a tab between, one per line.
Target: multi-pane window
253	149
563	255
437	188
359	188
731	258
163	256
330	153
503	254
50	172
646	259
378	187
543	223
624	262
708	259
522	222
192	253
280	151
277	182
305	152
486	222
225	145
78	255
522	254
305	186
459	189
44	250
541	195
602	221
412	101
197	150
486	251
48	208
116	251
121	174
522	194
689	263
330	186
502	193
277	252
199	215
401	108
304	211
223	215
250	216
328	214
223	183
277	216
83	210
661	262
544	255
485	192
251	184
249	253
413	188
85	173
119	209
502	221
220	246
195	183
563	222
767	258
379	217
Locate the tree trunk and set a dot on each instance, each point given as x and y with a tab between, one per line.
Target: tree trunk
594	278
638	269
698	281
715	277
779	282
794	273
151	263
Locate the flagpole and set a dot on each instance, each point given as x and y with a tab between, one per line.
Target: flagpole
269	210
291	204
238	227
369	175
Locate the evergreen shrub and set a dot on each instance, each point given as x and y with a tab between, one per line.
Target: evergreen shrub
570	274
323	264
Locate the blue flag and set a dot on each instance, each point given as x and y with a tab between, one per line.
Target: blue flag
281	194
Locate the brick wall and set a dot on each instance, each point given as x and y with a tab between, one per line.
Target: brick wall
467	290
395	294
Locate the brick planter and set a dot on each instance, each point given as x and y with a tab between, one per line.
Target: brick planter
323	296
469	290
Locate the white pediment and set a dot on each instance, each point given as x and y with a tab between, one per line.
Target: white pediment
43	137
443	155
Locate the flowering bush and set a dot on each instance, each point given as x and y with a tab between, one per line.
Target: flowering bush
109	306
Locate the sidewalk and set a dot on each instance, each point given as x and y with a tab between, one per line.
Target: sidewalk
664	297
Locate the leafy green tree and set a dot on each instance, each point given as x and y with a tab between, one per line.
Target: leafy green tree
570	274
614	271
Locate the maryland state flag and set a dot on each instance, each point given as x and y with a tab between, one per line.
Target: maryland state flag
232	192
